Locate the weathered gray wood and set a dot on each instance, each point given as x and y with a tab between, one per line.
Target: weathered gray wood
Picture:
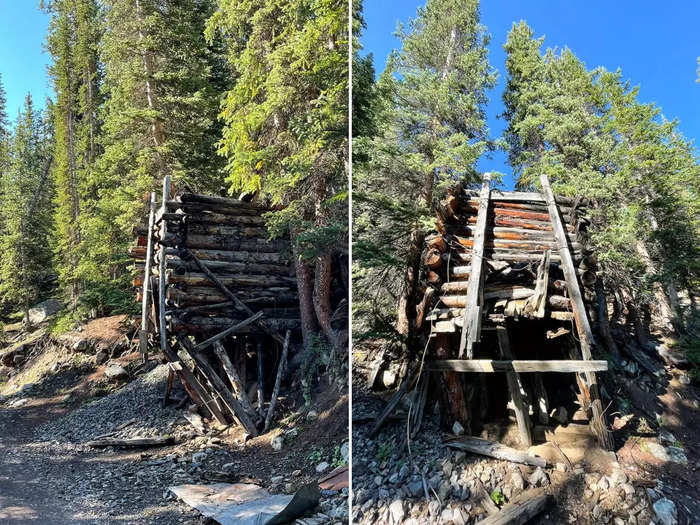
218	337
483	498
158	441
580	317
278	381
541	399
492	449
536	303
519	513
520	366
236	384
471	329
526	196
516	389
419	409
162	283
261	394
218	386
393	402
143	333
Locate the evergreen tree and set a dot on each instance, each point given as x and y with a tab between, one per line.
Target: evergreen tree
25	210
285	134
431	131
73	40
590	134
162	93
4	128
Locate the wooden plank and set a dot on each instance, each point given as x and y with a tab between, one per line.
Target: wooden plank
519	513
227	332
393	403
236	384
492	449
143	333
520	366
580	317
261	396
158	441
517	391
524	196
162	283
281	367
471	329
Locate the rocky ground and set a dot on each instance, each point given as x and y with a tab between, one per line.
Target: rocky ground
651	477
60	398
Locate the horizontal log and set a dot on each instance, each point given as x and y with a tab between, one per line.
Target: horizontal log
158	441
527	215
233	279
195	295
200	207
219	201
241	231
513	256
524	245
507	232
178	264
233	256
492	449
212	218
449	324
511	222
227	309
511	292
525	196
520	366
205	325
228	243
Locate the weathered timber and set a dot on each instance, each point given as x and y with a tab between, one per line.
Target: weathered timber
516	389
159	441
490	292
525	196
238	304
536	303
393	403
220	201
261	397
507	232
220	218
218	386
238	232
492	449
505	244
236	384
520	365
541	398
483	498
281	367
580	317
471	330
232	256
454	404
419	408
279	296
143	333
519	513
207	325
423	306
512	222
161	279
232	279
232	330
199	207
181	266
227	243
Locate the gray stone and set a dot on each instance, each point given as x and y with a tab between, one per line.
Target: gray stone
277	443
434	508
516	480
415	489
115	371
397	512
101	357
628	488
445	490
312	415
322	467
603	484
666	437
666	512
677	455
446	515
618	477
538	478
345	451
460	517
42	311
457	429
199	456
276	479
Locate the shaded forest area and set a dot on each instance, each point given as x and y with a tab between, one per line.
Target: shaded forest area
420	128
223	96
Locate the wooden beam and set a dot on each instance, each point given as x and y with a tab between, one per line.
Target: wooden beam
520	366
519	513
580	317
143	333
236	384
517	391
492	449
281	367
471	329
162	283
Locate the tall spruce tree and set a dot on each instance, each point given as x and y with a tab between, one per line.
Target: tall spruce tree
4	128
25	209
285	134
162	88
73	40
432	130
590	134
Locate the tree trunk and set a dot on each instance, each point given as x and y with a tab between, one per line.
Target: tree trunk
322	300
603	322
306	306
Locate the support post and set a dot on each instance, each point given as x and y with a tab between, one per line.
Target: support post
598	423
162	283
471	327
517	392
143	333
261	394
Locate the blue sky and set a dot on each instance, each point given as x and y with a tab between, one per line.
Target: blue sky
656	45
23	60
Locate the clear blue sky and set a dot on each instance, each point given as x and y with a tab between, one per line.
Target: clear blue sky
656	44
23	60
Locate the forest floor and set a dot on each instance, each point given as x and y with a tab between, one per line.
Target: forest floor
652	461
60	399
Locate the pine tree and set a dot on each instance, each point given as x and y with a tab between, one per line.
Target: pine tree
25	210
285	132
73	40
432	130
161	87
4	128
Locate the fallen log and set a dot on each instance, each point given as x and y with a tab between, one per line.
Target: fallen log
519	513
492	449
158	441
236	384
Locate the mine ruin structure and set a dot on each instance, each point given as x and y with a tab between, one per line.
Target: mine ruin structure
507	292
221	298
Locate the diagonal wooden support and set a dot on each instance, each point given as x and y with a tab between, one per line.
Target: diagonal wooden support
598	424
471	327
517	391
143	333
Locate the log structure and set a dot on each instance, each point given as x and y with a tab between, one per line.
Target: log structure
502	271
222	298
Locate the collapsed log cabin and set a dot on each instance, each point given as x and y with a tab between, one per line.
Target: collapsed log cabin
507	285
222	298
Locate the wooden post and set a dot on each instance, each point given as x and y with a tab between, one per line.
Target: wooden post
261	395
162	283
517	392
542	399
143	333
455	402
278	381
471	327
236	383
583	327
